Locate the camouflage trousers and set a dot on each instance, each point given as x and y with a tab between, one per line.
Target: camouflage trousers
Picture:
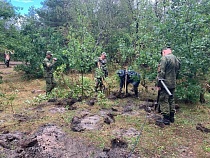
98	83
166	102
50	84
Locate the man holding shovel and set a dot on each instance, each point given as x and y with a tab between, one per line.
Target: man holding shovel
127	77
167	75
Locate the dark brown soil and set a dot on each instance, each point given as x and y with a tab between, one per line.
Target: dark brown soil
51	142
72	128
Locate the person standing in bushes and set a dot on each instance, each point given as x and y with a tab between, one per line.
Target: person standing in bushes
101	71
7	58
48	64
167	71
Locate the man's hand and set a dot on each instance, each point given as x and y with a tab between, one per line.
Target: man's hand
100	58
158	69
158	88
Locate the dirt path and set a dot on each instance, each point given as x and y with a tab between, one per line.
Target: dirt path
12	64
5	70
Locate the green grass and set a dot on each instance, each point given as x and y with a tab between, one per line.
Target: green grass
178	140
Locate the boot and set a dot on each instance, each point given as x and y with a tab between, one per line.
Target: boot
172	117
120	91
101	88
136	93
165	120
96	89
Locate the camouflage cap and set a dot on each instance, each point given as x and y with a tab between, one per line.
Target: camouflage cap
49	53
104	53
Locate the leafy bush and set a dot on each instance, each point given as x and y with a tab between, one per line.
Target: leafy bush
31	70
84	86
188	92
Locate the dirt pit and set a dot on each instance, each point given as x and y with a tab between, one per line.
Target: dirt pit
51	142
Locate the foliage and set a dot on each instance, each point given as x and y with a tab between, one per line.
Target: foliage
83	86
131	32
76	88
187	31
188	92
112	81
81	52
8	28
102	100
31	71
6	10
99	73
8	100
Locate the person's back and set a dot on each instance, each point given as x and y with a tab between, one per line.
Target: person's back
131	77
168	69
171	69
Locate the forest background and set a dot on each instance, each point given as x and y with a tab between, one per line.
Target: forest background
132	32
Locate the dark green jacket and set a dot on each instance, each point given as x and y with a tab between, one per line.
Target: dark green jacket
48	67
169	67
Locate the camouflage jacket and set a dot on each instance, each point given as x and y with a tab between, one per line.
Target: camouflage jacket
101	68
102	64
48	67
168	70
132	76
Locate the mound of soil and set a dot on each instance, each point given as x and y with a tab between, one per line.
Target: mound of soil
202	128
51	142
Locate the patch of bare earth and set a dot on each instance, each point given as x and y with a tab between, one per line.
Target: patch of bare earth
75	128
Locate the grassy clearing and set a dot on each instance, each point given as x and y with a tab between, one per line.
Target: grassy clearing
181	139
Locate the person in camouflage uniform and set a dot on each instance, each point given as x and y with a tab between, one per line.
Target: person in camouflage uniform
101	71
48	64
168	70
132	77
